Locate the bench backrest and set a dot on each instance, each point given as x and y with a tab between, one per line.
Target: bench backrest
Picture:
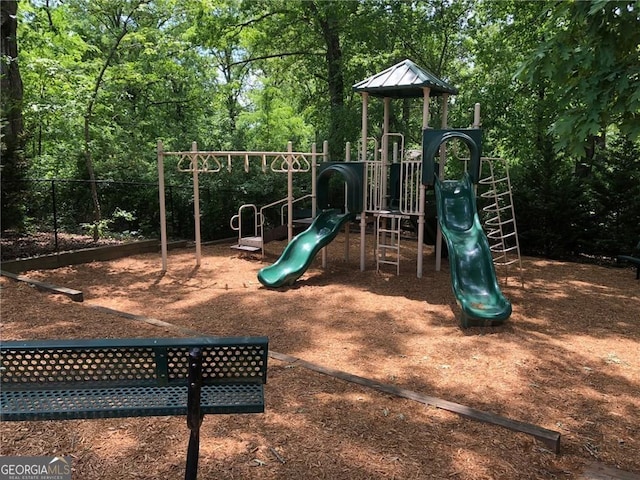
52	364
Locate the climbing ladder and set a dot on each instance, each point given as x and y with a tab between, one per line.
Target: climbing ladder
499	216
388	229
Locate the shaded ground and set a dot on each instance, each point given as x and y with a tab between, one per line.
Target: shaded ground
568	360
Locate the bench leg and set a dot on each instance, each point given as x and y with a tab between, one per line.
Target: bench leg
194	418
191	471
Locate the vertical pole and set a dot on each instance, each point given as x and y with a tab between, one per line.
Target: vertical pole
365	110
54	208
290	191
476	125
314	176
194	415
325	157
163	211
443	164
476	116
196	201
381	184
385	154
363	158
426	92
347	225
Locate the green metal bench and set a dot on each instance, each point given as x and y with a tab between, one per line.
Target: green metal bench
116	378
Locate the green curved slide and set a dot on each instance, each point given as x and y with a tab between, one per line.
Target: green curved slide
473	276
299	253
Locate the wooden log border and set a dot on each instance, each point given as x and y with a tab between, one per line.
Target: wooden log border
548	437
75	295
86	255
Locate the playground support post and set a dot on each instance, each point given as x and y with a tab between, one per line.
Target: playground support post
443	159
385	151
290	191
426	93
196	202
325	155
476	125
163	210
314	164
363	158
347	226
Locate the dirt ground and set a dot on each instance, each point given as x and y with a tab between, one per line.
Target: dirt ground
568	360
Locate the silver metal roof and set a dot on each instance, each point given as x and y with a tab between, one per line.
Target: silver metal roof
405	79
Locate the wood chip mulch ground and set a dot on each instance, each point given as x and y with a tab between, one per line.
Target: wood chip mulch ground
568	360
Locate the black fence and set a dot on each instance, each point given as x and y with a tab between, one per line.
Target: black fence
128	209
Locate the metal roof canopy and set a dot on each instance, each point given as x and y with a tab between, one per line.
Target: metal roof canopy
404	80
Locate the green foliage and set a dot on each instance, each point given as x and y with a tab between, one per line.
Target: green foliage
558	84
270	121
614	192
589	51
115	226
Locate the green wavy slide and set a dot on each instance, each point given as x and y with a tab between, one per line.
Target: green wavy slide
300	252
473	276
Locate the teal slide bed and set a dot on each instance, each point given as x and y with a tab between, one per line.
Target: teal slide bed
298	255
473	276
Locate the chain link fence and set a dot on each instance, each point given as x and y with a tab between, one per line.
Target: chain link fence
128	209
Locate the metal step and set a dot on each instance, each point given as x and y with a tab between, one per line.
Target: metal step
246	248
251	242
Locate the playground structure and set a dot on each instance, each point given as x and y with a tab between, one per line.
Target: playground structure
391	186
387	185
211	162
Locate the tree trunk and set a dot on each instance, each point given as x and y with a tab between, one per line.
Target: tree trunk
584	165
88	159
330	29
12	164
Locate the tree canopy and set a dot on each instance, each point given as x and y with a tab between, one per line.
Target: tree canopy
100	81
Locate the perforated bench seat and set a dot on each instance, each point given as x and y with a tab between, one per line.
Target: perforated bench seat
113	378
79	403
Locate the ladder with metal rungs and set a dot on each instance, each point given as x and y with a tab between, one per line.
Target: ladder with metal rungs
388	229
499	216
